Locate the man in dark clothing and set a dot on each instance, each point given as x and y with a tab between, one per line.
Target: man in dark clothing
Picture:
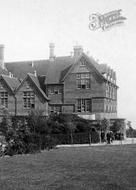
108	138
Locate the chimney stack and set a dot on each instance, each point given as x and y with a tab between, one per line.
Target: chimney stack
10	75
52	56
35	73
78	50
2	56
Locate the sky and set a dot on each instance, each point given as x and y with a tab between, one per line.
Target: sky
28	26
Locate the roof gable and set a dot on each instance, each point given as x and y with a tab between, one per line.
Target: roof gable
11	82
34	80
79	68
89	65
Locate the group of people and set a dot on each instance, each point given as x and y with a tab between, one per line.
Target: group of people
109	137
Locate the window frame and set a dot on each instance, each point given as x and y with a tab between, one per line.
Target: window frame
4	98
84	105
29	99
83	80
55	109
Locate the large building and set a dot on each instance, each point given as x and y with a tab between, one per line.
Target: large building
68	84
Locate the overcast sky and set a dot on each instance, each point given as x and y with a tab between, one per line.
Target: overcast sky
28	26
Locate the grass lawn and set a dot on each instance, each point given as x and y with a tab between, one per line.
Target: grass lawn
91	168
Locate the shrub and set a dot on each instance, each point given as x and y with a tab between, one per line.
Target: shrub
32	148
94	136
48	142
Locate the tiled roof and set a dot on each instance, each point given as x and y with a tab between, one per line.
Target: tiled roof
12	82
54	70
20	69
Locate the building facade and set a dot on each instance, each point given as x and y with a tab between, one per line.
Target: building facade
69	84
19	98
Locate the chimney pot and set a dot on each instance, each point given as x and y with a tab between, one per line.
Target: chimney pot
2	56
78	50
52	56
35	73
10	75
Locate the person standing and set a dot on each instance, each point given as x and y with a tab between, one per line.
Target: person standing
108	138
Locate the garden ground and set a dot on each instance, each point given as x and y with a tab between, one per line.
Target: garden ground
76	168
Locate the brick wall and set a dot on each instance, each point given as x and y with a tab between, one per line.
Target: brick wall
55	93
71	93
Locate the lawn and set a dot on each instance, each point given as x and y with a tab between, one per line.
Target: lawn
92	168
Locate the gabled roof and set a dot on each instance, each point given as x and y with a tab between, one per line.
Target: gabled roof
35	82
55	70
11	82
52	69
20	69
91	64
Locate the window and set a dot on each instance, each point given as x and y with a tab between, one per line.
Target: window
88	105
83	81
51	90
55	109
110	91
82	63
84	105
29	99
107	90
4	99
55	90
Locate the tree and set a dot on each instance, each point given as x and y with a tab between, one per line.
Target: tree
130	132
5	123
71	127
17	137
105	125
116	126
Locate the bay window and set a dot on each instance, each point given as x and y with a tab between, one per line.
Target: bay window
84	105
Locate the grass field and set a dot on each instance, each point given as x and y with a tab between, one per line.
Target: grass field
91	168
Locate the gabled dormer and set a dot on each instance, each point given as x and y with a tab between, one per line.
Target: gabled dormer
29	96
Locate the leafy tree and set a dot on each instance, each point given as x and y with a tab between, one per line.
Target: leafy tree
116	127
71	128
105	125
130	132
17	137
5	123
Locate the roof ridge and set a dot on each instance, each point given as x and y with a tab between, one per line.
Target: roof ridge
35	60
